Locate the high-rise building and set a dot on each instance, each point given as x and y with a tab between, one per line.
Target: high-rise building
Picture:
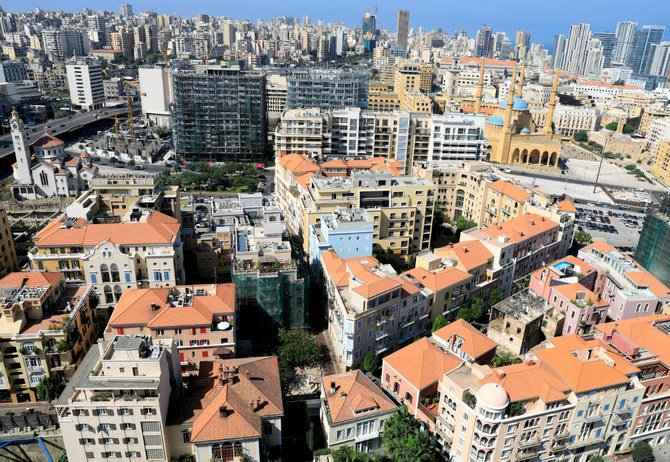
653	249
219	114
403	28
369	31
644	46
484	42
327	89
126	9
576	47
660	65
63	43
625	33
521	44
155	94
85	83
558	51
608	42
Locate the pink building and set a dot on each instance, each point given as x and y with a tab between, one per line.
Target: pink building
564	285
631	290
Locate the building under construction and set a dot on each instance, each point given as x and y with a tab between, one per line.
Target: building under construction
219	114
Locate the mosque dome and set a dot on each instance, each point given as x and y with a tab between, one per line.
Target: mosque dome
519	104
496	120
525	130
493	396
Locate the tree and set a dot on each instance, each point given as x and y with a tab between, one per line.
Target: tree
439	323
596	458
505	359
46	389
463	224
63	456
472	312
347	454
297	348
495	296
131	163
371	363
642	452
581	136
404	438
583	237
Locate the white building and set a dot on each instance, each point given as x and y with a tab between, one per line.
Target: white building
85	84
155	95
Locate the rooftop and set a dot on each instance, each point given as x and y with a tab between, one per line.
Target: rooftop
522	306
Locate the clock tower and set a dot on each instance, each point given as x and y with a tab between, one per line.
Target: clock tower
22	173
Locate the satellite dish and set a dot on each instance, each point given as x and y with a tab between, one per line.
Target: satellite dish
223	325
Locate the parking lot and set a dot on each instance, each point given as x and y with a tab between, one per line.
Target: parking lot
620	228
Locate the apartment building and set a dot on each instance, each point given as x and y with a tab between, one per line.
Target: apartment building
8	259
349	232
371	309
116	404
201	319
46	326
411	375
645	341
631	290
503	201
406	136
234	411
520	246
568	119
327	89
353	411
661	167
571	400
85	84
112	257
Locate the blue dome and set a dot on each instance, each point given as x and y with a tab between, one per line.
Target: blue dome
496	120
525	130
519	104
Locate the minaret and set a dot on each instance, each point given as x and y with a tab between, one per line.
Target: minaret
519	89
510	102
480	90
22	174
550	107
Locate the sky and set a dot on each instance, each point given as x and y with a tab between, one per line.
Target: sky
543	19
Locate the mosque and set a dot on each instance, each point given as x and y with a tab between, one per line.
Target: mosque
512	136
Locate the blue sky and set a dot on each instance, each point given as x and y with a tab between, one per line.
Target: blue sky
542	18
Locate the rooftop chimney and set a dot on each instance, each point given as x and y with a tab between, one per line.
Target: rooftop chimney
332	388
500	374
223	411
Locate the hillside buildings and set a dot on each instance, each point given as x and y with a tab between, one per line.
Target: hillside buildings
8	259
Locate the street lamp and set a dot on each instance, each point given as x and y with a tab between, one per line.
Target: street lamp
595	185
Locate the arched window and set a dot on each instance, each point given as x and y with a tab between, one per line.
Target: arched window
104	273
109	296
44	179
115	273
117	293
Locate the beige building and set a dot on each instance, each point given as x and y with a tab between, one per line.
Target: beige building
618	143
112	257
116	405
46	327
661	166
353	411
8	260
647	116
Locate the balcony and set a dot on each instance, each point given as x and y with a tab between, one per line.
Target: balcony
580	443
379	349
593	417
527	455
529	443
367	436
381	336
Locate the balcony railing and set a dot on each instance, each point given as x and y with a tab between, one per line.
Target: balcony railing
529	443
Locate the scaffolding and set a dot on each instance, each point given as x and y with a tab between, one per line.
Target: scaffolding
282	295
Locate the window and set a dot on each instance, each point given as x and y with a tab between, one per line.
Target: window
105	426
205	354
125	411
186	437
203	330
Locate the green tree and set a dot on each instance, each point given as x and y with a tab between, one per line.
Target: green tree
63	456
297	348
46	389
642	452
596	458
581	136
439	323
505	359
472	312
463	224
347	454
495	296
371	363
404	439
583	237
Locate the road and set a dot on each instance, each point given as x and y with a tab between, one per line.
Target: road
59	126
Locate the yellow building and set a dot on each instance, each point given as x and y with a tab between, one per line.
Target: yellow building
8	260
504	201
46	328
661	166
512	136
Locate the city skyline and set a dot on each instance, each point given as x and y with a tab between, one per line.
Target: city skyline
543	24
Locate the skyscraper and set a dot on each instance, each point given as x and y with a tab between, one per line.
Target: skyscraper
126	9
608	42
653	249
327	89
625	32
521	44
484	42
574	59
369	31
643	48
403	28
558	51
660	65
